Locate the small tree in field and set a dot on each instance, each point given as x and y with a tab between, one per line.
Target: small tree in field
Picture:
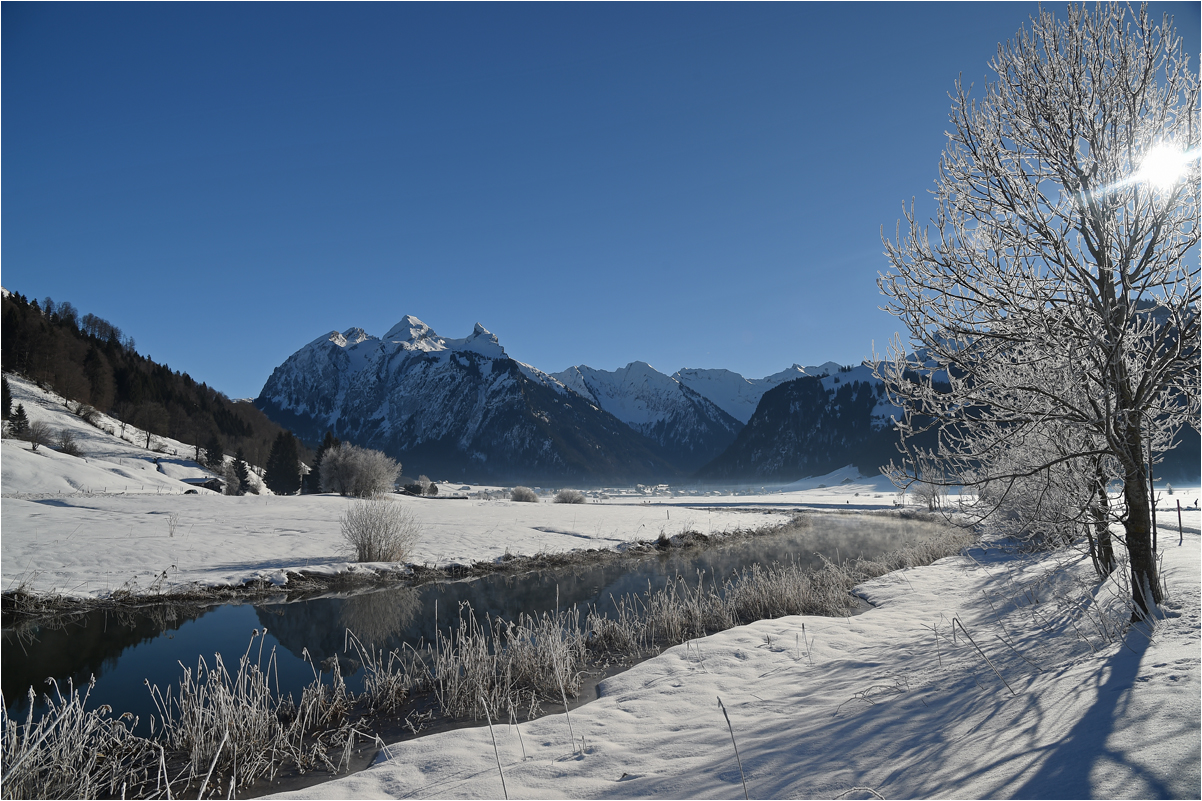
39	433
361	472
313	480
1055	295
19	422
523	495
569	496
282	474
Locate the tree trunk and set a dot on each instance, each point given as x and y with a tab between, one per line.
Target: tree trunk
1101	516
1145	583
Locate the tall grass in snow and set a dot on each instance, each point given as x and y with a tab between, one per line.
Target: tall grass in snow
71	751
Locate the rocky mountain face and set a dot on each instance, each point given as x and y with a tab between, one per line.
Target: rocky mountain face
459	409
686	428
809	426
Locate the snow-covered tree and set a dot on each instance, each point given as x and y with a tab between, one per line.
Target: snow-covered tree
313	480
1054	294
350	470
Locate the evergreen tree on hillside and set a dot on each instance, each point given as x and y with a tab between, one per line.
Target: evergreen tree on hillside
20	422
6	398
242	472
214	455
283	466
313	480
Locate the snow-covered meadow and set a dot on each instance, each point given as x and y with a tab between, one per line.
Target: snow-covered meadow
112	521
1051	697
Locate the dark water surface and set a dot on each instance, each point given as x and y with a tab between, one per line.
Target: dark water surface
123	650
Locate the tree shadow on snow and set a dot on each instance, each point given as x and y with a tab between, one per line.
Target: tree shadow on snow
1065	770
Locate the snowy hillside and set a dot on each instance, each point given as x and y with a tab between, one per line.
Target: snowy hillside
689	428
115	457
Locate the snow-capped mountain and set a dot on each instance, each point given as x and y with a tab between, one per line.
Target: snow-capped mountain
736	395
453	408
689	429
810	425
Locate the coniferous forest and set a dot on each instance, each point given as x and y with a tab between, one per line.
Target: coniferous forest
87	359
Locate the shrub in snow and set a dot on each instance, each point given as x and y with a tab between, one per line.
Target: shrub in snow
379	530
66	443
350	470
523	494
38	433
569	496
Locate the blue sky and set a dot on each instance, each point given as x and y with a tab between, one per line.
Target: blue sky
687	185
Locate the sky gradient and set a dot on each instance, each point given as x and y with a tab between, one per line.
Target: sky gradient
687	185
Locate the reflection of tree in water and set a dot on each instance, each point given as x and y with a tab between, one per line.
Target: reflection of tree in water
375	617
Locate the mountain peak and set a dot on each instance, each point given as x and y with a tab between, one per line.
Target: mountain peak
409	329
481	341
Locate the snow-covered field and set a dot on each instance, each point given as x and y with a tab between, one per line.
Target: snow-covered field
884	703
111	521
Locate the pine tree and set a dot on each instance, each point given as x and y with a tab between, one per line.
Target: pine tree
6	398
283	466
242	472
214	455
20	422
313	480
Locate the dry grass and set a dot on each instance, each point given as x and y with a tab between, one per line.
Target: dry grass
72	752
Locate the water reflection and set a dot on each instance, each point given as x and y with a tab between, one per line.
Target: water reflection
123	650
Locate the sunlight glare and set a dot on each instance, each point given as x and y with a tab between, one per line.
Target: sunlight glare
1163	166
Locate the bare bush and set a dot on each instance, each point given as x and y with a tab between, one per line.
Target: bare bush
89	414
380	530
361	472
523	494
66	443
39	433
569	496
